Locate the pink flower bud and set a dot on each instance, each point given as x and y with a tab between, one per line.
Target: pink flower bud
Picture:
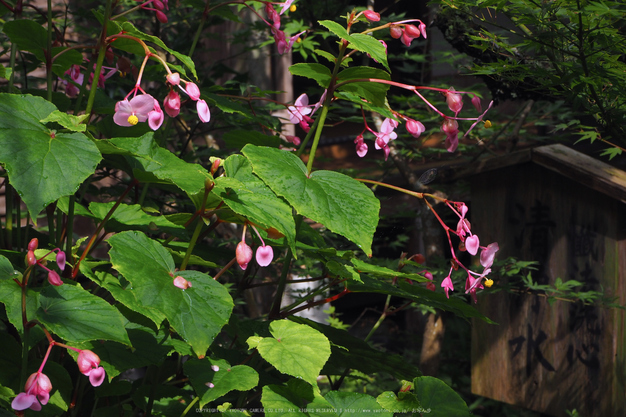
181	282
173	78
395	32
172	104
243	254
54	279
193	91
32	245
203	111
423	29
415	128
215	368
293	139
406	38
412	31
361	146
37	392
264	255
371	15
477	105
158	5
450	127
61	260
454	100
31	259
161	17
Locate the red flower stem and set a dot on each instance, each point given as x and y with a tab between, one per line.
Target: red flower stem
101	226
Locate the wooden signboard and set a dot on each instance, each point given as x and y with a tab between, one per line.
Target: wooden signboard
568	212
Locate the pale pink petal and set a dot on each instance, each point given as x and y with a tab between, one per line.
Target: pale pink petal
23	401
264	255
193	91
142	105
182	283
203	111
123	110
472	244
243	254
302	101
488	254
96	377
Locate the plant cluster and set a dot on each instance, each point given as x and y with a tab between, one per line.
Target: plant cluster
155	286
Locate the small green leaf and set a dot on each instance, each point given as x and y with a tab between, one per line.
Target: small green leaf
381	271
405	403
317	72
79	316
295	349
296	398
211	385
68	121
373	92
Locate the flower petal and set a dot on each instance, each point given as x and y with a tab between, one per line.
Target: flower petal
264	255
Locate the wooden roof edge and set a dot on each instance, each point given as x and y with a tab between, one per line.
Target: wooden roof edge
582	168
559	158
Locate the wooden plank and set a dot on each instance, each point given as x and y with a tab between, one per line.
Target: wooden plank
582	168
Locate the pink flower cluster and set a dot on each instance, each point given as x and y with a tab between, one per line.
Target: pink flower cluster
300	113
73	88
407	32
471	243
31	260
279	36
243	252
144	107
38	386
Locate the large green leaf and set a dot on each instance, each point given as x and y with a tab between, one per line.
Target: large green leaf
337	201
42	165
238	138
317	72
226	379
133	217
256	201
197	313
11	297
404	402
295	349
437	397
348	351
354	404
419	294
373	92
296	398
152	163
77	315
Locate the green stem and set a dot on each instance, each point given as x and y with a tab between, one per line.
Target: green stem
192	243
9	215
49	52
383	315
205	14
102	46
189	407
316	139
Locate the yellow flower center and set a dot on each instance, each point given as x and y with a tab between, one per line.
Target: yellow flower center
488	283
133	120
487	124
292	8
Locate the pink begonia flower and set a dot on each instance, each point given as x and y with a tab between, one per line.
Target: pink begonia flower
454	100
447	285
293	40
172	104
371	15
203	111
264	255
415	128
182	283
385	135
36	393
54	279
451	128
472	244
70	89
293	139
286	6
173	78
193	91
61	260
488	254
129	113
431	284
103	75
299	109
361	146
463	227
155	117
412	30
89	365
395	31
243	254
280	39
